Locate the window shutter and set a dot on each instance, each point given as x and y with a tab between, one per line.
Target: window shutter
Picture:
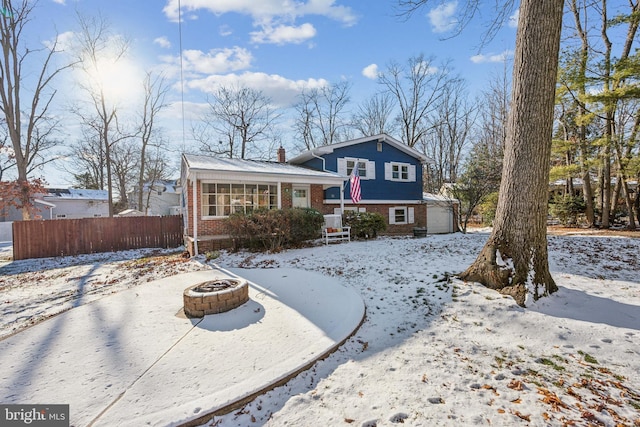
411	216
342	166
387	171
412	173
371	169
392	215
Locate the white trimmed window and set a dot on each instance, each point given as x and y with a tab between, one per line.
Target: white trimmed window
222	199
366	168
403	172
401	215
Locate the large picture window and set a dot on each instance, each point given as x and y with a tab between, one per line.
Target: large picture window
225	199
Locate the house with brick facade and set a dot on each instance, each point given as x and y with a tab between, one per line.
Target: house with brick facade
390	174
214	187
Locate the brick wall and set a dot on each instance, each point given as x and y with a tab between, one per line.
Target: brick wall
286	196
215	227
420	215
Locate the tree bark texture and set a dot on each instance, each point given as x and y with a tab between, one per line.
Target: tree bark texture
515	259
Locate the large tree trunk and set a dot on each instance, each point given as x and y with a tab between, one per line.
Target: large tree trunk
514	260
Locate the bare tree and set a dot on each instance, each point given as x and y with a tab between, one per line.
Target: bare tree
416	89
124	159
158	169
30	128
86	161
450	127
515	258
374	115
321	114
241	117
95	45
155	89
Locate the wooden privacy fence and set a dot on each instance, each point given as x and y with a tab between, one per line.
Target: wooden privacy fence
62	237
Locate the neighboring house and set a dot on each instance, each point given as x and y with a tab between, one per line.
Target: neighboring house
390	177
216	187
161	197
74	203
66	203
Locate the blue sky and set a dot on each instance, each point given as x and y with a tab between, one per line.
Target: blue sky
277	46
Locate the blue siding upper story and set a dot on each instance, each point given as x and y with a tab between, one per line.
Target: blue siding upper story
378	188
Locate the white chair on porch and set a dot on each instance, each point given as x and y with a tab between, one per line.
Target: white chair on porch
333	231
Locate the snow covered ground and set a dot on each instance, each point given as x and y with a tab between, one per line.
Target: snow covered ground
433	350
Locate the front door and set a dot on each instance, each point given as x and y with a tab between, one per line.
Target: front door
300	197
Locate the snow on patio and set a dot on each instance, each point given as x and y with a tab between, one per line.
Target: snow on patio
432	350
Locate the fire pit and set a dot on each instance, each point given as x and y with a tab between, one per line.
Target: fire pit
215	296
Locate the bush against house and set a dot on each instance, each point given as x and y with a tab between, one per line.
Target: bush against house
274	229
365	225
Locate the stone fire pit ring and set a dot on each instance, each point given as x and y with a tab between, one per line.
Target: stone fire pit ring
215	296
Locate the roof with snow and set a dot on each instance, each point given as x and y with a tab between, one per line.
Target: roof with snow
430	197
76	194
243	166
164	185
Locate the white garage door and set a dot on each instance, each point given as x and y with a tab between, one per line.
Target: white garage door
439	219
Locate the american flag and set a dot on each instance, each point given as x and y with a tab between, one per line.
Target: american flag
356	196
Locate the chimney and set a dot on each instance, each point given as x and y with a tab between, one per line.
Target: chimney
281	155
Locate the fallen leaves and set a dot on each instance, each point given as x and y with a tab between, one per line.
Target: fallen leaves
552	399
522	416
515	385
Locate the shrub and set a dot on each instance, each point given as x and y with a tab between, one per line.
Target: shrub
365	225
566	208
275	228
305	225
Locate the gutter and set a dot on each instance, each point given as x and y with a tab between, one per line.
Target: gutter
51	206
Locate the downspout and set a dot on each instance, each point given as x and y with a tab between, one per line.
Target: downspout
322	159
195	215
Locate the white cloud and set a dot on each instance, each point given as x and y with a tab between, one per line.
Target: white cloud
225	30
64	41
442	18
284	34
62	2
500	57
274	19
282	91
266	12
162	42
217	61
371	71
513	19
